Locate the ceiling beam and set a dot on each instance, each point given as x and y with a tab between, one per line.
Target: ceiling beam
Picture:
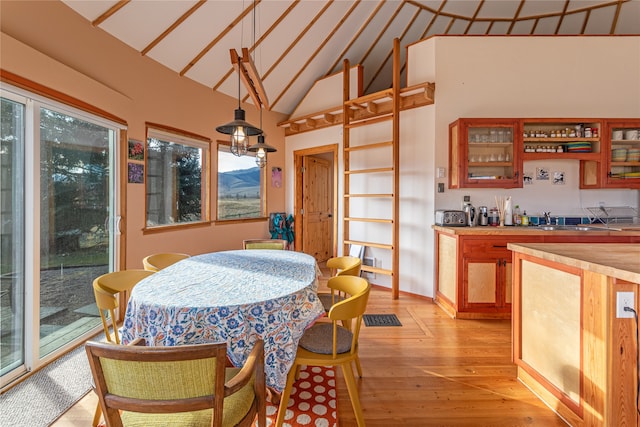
295	42
335	29
106	15
260	40
229	27
250	77
391	51
364	25
173	26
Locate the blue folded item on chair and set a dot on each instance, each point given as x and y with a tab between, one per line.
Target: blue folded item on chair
289	229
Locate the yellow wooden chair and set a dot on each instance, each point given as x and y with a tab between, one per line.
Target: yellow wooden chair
106	289
264	244
187	385
330	344
340	266
157	262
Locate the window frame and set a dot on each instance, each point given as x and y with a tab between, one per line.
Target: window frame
226	146
188	139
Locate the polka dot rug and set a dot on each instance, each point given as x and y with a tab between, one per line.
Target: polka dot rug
313	400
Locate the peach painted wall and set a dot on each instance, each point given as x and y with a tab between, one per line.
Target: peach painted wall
50	44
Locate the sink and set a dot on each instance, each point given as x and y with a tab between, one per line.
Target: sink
570	228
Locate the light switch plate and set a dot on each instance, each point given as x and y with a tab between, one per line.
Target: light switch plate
442	173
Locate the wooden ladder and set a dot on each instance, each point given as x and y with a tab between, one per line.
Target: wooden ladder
368	110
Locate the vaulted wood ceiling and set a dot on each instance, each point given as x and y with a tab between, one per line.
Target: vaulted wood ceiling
295	43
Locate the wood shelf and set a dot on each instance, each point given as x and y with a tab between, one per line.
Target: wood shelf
373	195
560	140
625	164
491	164
380	220
561	156
375	170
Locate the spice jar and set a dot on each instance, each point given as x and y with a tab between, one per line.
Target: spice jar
494	217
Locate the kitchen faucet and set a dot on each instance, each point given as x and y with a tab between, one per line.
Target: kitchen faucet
547	218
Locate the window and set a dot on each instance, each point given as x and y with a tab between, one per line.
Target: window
176	177
240	186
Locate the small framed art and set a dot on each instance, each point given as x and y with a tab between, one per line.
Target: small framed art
135	173
136	150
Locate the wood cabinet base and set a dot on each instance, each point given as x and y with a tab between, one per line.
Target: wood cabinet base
569	347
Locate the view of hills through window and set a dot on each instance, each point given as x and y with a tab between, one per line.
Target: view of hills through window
239	190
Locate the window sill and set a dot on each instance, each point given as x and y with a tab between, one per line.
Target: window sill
175	227
240	221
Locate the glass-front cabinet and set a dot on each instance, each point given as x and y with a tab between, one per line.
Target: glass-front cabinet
622	164
484	153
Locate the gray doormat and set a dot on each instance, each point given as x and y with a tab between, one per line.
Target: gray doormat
381	320
40	399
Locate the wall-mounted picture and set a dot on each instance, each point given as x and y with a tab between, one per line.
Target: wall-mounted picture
542	174
276	177
136	150
136	173
527	178
558	178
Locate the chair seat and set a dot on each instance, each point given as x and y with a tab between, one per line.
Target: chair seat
325	299
319	339
236	407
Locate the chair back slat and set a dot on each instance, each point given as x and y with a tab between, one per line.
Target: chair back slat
276	244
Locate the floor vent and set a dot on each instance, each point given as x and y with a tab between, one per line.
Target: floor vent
381	320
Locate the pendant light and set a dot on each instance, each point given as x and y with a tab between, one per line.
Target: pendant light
239	129
261	148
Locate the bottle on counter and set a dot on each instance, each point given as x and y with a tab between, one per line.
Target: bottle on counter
517	219
525	219
508	212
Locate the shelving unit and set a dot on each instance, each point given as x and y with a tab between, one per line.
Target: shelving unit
484	153
541	134
622	166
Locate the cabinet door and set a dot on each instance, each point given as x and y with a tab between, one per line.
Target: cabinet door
485	153
480	283
622	154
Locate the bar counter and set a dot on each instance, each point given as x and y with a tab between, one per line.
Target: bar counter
568	344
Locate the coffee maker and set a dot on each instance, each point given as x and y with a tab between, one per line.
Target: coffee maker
483	216
470	214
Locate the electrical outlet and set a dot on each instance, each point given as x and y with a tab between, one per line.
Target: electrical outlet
624	299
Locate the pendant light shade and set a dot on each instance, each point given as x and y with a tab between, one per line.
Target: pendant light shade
240	132
261	149
239	129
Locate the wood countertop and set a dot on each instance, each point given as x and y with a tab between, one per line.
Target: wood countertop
612	230
621	261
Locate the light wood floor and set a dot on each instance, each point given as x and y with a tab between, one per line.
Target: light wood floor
432	371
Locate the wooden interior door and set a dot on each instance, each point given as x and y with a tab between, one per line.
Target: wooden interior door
317	210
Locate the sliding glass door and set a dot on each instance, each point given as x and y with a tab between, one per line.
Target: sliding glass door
75	210
12	314
58	218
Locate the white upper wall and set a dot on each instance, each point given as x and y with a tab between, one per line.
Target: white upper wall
327	93
502	76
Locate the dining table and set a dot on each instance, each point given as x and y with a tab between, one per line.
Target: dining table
237	297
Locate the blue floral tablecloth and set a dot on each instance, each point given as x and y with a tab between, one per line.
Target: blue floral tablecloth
234	296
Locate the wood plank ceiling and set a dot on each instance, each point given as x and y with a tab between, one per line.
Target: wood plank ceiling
294	43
